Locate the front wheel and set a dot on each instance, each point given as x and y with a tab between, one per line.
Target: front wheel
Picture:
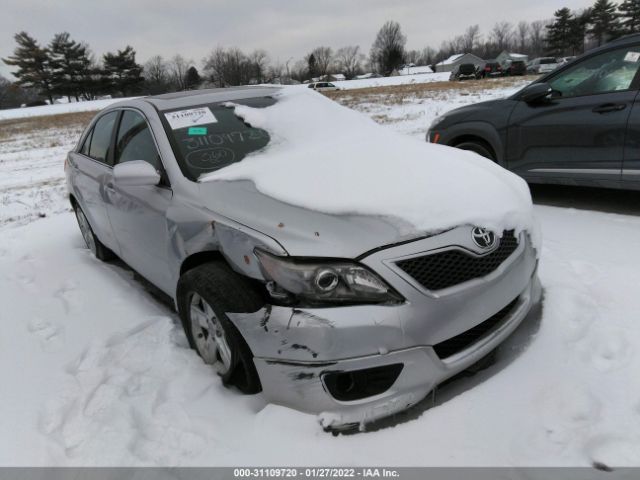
205	295
477	148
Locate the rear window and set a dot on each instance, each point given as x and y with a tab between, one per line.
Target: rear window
206	138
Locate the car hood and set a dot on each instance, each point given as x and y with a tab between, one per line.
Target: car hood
300	231
332	177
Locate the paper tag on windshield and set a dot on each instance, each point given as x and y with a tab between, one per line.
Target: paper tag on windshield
632	57
190	118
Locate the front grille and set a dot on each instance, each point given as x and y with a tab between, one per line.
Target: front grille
445	269
460	342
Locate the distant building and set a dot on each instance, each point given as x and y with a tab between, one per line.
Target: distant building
505	58
333	77
454	61
365	76
414	69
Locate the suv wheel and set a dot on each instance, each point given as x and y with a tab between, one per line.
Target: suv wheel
205	294
91	241
477	148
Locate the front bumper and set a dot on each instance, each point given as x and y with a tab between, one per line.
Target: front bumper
300	385
295	349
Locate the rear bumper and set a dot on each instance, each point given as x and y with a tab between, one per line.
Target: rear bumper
302	384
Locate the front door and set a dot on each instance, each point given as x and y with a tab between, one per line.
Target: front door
579	133
138	213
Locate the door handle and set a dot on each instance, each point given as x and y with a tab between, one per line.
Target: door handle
609	107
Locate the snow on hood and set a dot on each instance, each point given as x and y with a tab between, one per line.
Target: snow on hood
331	159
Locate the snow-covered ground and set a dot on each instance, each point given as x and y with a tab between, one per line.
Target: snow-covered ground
393	81
96	371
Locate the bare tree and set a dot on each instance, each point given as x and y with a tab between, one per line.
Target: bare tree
537	34
349	61
299	71
387	51
427	56
178	67
259	63
523	35
471	38
502	34
323	59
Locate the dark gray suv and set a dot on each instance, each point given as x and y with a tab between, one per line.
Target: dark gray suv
578	125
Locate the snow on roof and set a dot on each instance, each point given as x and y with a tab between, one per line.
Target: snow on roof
517	55
332	159
452	59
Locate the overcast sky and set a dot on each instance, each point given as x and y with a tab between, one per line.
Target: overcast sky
285	28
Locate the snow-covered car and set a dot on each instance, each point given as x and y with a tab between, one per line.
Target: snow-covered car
323	87
341	268
542	65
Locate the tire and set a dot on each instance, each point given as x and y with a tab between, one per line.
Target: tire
477	148
205	294
90	239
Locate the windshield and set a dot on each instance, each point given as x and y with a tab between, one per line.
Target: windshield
206	138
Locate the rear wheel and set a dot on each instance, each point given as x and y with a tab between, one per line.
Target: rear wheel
476	147
91	241
205	295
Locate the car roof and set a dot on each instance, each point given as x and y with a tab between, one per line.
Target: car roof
169	101
632	38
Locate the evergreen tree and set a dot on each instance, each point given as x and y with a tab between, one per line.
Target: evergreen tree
70	64
604	22
192	78
312	67
121	74
560	33
578	30
629	11
34	65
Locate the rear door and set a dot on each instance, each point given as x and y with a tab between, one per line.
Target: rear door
138	213
579	135
92	170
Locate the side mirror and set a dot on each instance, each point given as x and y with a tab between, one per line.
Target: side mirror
536	92
136	173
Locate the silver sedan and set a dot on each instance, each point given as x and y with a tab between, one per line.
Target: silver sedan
349	320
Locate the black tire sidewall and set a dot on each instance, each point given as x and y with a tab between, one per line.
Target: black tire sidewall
476	148
224	291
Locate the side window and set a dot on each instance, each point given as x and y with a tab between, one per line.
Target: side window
87	143
608	72
101	137
135	142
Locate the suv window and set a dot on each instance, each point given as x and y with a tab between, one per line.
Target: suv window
221	140
135	142
101	137
547	61
607	72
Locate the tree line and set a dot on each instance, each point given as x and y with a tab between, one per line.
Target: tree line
67	68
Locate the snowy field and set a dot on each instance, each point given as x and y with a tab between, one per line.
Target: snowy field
96	371
393	81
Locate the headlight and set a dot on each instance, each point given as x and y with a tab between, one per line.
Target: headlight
316	282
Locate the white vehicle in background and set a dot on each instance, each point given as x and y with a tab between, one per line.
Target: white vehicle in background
542	65
564	60
323	87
